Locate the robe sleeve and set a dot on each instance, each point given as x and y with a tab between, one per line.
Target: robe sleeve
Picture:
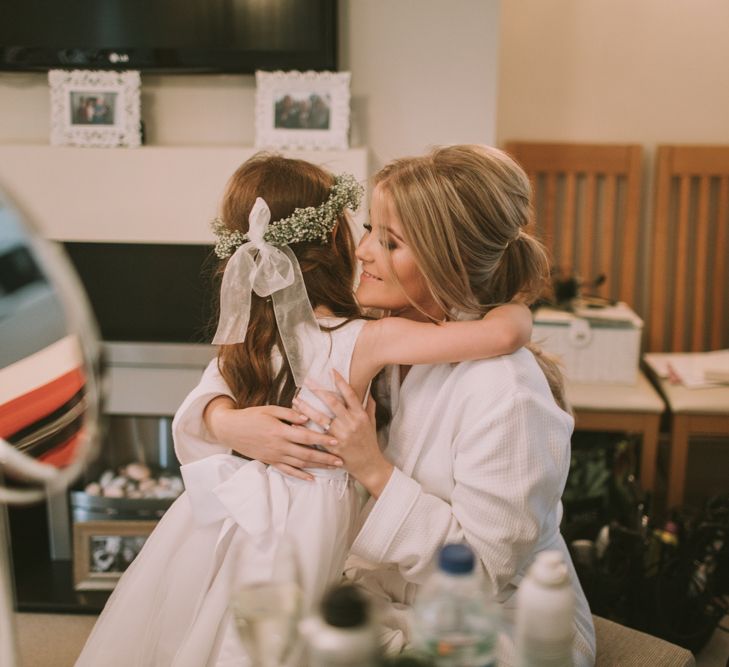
509	470
192	439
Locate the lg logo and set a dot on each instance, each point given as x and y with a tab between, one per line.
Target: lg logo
118	58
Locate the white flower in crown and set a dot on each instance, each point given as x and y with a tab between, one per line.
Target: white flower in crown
304	224
227	241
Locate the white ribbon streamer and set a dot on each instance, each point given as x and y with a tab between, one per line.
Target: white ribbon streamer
257	266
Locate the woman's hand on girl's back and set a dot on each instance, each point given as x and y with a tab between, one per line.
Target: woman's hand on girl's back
354	430
270	434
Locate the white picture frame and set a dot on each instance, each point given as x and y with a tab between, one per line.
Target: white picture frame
302	110
95	108
103	550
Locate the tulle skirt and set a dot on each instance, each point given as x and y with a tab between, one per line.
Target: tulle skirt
171	607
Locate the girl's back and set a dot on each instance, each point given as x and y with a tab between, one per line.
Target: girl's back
171	606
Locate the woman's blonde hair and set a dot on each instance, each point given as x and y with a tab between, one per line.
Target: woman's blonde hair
464	212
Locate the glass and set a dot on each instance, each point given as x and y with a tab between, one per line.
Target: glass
266	600
50	365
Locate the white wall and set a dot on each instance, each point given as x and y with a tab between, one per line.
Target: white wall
615	70
633	71
423	72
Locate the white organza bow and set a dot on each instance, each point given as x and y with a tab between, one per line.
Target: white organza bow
257	266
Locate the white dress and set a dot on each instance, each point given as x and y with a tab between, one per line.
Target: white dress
171	605
481	454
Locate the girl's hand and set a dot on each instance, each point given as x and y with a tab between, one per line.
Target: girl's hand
353	427
270	434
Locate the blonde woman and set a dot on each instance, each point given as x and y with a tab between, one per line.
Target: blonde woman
477	451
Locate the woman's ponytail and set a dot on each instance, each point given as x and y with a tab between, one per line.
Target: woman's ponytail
522	272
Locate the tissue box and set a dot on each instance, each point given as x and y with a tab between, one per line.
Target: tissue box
593	344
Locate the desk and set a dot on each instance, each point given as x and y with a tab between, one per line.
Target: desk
693	412
616	407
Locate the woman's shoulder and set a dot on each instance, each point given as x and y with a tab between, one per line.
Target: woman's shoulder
507	389
506	369
501	380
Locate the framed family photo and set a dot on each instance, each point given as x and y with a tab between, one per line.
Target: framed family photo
103	550
304	110
95	108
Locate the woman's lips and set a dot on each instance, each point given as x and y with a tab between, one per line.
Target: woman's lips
369	276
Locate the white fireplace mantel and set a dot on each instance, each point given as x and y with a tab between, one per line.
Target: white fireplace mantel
153	194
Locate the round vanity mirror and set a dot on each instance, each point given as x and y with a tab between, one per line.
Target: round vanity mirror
49	365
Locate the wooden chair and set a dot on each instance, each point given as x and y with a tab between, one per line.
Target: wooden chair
587	213
587	209
689	309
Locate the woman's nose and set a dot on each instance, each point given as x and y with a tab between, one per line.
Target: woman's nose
361	252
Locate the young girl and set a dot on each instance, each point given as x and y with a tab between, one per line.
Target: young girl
287	315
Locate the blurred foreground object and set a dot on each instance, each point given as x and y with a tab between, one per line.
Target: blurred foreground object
545	614
345	633
455	619
49	382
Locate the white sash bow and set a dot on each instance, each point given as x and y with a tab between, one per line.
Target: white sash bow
269	271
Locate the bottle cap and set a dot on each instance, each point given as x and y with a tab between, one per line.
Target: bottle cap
456	559
549	568
345	607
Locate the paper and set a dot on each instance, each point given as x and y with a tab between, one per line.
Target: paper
694	370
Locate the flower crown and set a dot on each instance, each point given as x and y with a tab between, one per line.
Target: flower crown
304	224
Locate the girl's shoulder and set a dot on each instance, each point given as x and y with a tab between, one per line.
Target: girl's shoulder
341	325
342	334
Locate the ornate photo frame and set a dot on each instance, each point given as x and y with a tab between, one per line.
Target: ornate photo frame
102	551
302	110
95	108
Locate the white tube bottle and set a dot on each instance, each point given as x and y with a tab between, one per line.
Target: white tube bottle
545	614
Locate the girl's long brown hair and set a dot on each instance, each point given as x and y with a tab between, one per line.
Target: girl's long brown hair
328	270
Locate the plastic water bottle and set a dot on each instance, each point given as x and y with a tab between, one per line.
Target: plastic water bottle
343	634
545	614
455	620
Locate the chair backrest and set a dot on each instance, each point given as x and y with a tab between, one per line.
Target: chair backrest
690	279
587	209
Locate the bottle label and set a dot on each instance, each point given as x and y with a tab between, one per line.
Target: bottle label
462	651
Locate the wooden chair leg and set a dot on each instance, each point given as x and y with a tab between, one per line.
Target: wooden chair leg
649	452
677	460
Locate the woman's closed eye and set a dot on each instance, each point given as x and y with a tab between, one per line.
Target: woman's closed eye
387	243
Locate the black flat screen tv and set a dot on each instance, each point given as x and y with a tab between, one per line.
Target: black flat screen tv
147	292
168	35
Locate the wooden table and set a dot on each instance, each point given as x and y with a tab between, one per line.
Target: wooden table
623	408
693	412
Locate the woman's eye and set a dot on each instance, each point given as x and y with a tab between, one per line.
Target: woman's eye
390	245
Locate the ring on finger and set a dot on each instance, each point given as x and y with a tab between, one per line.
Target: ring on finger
328	426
